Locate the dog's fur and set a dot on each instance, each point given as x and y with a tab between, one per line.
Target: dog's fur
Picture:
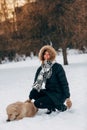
19	110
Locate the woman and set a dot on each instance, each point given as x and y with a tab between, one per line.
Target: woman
50	89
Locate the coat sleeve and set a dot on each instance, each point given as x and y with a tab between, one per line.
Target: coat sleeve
37	73
63	80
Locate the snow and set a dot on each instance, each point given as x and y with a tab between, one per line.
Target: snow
15	84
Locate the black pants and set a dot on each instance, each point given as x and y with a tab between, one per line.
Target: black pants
41	99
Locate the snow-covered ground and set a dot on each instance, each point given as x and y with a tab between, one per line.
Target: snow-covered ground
15	84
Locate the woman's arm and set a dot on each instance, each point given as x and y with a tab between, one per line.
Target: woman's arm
64	84
63	80
37	73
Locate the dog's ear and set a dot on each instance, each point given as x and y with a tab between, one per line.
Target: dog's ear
18	109
16	112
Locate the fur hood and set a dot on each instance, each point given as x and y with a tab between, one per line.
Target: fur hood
51	51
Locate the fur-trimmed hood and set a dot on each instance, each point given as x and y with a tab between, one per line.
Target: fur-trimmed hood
51	51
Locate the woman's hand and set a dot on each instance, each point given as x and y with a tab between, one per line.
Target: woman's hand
68	103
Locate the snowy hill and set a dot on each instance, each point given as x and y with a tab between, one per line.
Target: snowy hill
15	84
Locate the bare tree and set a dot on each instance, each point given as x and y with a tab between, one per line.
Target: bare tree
5	17
14	16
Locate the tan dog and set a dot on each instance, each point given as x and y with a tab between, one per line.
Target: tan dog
19	110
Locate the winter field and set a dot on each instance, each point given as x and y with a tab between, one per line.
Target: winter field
16	80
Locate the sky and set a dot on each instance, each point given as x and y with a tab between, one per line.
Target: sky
16	80
10	2
10	5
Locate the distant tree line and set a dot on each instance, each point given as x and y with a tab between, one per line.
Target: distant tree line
60	23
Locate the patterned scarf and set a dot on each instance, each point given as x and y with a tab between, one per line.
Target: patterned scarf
44	74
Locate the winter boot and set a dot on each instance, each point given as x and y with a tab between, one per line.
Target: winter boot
49	111
62	108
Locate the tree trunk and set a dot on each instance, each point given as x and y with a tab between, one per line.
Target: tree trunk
64	52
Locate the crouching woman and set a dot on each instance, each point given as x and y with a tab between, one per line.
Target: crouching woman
50	88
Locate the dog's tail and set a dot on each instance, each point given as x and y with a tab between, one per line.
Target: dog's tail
28	101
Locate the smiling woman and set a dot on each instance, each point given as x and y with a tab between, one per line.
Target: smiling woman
50	89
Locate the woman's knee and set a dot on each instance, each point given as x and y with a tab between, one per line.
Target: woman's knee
37	103
43	102
33	94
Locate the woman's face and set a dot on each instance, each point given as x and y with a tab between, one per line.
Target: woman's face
46	55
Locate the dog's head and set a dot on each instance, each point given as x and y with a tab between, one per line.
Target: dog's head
12	112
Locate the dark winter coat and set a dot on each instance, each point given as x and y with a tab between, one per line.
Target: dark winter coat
56	86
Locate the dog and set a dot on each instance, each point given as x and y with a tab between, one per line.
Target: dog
19	110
